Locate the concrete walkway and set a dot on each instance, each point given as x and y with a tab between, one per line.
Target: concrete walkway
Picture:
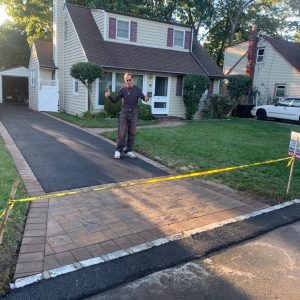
65	230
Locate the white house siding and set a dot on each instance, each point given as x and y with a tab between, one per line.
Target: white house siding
33	90
58	51
231	57
99	16
46	74
149	33
176	105
73	104
274	70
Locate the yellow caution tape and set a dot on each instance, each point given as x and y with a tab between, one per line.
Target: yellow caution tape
154	180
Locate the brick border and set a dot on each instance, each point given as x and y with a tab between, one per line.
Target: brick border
21	282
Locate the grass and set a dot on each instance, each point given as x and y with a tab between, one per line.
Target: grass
95	123
15	226
213	144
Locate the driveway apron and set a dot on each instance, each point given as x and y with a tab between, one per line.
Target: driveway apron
63	157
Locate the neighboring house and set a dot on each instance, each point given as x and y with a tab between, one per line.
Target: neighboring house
43	88
273	63
159	54
14	85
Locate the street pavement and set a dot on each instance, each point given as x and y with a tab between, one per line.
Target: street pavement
267	267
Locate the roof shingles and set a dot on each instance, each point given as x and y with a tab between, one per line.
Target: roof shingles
133	57
44	52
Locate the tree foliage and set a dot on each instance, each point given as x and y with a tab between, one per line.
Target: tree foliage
14	50
86	73
193	89
238	85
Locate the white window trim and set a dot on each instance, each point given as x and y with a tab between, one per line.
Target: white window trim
276	86
33	77
113	86
74	92
183	39
129	29
263	56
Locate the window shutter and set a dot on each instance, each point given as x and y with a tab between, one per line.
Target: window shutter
170	37
112	28
179	85
133	31
187	41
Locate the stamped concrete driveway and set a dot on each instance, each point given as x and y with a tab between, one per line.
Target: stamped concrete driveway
63	157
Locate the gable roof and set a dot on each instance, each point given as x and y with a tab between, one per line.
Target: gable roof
44	52
132	57
289	50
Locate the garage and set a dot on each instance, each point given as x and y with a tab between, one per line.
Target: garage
14	85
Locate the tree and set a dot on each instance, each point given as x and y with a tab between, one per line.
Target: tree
14	50
86	73
33	17
193	89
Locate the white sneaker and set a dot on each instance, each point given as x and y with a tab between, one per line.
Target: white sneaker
130	154
117	154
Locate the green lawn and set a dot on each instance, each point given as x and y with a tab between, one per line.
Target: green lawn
14	228
213	144
95	123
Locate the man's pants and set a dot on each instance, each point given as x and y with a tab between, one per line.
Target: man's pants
127	124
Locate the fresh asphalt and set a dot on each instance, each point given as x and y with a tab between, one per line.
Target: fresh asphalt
97	279
63	157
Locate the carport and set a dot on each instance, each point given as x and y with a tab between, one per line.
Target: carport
14	85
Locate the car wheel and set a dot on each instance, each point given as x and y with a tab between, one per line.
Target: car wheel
261	114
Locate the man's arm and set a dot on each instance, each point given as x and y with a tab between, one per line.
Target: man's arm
116	99
142	96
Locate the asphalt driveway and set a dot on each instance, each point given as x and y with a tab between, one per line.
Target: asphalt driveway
63	157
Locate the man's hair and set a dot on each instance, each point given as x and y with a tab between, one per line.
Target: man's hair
128	74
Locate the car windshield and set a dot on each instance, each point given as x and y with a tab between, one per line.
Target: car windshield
285	102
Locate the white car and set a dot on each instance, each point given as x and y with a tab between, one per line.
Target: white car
288	109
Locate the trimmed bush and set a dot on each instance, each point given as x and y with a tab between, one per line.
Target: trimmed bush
220	105
193	89
144	111
237	86
112	109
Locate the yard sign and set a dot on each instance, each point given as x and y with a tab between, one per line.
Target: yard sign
295	143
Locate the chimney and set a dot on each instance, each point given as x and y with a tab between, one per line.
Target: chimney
252	50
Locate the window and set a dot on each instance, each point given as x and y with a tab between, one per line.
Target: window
123	29
138	80
296	103
75	86
279	91
33	77
178	38
105	83
260	55
161	86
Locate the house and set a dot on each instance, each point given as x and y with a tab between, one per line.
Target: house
273	63
14	85
43	87
159	54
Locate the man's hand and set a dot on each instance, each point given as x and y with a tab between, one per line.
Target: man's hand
146	98
107	94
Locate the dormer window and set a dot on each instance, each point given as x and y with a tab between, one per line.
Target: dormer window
178	38
260	55
122	29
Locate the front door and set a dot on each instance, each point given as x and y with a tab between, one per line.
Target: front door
160	100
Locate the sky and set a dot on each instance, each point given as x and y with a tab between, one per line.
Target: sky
3	15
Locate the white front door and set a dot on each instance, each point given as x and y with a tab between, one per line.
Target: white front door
160	99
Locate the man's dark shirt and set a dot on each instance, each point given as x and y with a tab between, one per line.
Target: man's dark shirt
130	96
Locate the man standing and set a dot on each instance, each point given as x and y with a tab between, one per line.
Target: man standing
128	116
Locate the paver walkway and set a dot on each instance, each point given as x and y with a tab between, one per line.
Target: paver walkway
69	229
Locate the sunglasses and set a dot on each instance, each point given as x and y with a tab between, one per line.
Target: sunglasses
128	80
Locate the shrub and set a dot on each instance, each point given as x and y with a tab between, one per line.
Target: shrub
237	86
193	89
144	111
112	109
220	105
